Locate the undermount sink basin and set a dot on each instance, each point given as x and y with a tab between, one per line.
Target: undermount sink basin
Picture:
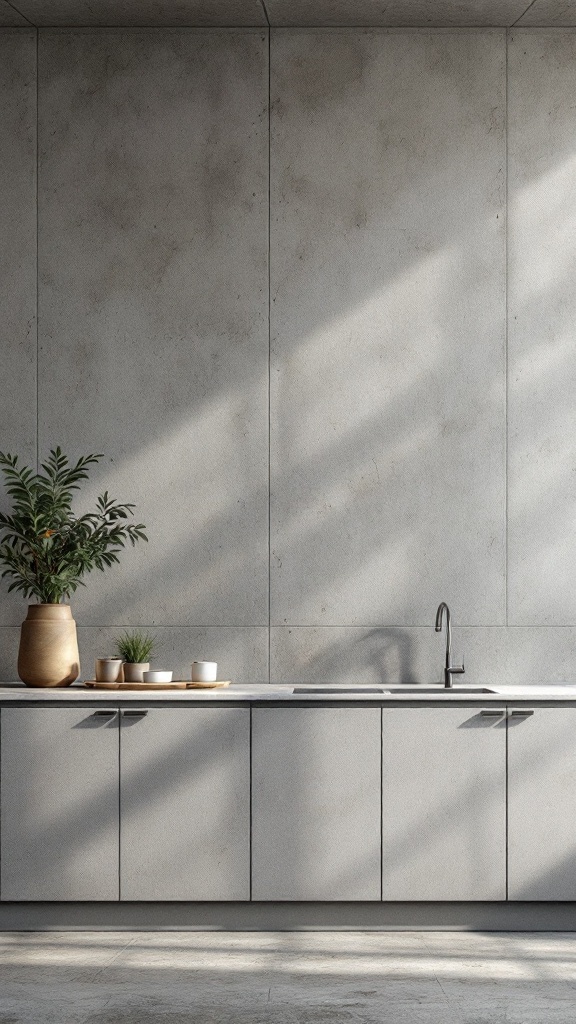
440	689
340	689
392	689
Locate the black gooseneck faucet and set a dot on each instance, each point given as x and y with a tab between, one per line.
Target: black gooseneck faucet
449	669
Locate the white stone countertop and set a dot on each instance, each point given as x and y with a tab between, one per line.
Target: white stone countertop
18	693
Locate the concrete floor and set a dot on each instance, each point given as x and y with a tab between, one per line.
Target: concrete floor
269	978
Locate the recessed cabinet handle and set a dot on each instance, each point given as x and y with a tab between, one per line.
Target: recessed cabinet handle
493	713
140	713
105	714
522	713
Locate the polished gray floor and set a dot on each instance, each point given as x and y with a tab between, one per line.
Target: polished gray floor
288	978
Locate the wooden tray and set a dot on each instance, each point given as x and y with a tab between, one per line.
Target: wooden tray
178	684
216	685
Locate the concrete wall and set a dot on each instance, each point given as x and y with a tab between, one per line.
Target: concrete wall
319	316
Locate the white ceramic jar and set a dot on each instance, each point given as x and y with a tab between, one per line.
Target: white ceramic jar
204	671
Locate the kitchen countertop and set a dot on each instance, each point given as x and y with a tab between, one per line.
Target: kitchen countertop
18	693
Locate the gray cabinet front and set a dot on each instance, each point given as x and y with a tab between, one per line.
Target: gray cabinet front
316	803
185	804
58	804
444	804
542	804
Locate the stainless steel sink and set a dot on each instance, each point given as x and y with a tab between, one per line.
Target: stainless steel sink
392	690
440	689
339	689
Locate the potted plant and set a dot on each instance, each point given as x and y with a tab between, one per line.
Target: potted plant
46	550
135	648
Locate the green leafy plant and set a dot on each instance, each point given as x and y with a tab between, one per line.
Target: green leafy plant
45	548
136	647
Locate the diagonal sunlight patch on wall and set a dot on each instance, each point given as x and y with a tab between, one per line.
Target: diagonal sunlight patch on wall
382	372
204	504
372	459
548	216
542	364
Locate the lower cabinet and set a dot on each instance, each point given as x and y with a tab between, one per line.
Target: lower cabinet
185	804
444	804
316	803
347	803
59	804
102	805
542	804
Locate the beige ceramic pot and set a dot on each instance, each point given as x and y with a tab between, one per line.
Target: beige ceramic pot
133	671
48	654
108	670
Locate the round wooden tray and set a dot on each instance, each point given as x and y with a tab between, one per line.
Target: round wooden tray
178	684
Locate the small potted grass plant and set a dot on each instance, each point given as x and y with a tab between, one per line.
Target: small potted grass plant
135	648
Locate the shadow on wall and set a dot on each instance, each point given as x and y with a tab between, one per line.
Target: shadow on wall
360	427
387	318
394	658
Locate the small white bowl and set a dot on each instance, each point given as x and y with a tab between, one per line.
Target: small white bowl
154	676
204	671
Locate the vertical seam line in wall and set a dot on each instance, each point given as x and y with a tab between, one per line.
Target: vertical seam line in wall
37	254
269	360
506	360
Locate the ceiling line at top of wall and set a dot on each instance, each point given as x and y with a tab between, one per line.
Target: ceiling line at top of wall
16	11
524	13
262	4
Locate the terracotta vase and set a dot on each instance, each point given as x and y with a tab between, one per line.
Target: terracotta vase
48	654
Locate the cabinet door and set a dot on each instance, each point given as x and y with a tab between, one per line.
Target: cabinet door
443	804
542	805
59	804
185	804
316	807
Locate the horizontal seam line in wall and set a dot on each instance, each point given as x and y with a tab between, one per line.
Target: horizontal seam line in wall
169	625
285	28
414	28
148	625
307	625
416	625
391	29
147	28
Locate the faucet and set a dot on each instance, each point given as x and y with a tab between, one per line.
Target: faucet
449	669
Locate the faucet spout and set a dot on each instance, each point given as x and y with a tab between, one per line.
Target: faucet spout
449	669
